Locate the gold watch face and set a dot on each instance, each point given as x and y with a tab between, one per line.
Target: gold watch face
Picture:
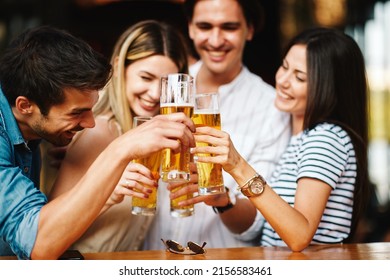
256	187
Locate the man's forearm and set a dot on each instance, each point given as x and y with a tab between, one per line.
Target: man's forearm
64	219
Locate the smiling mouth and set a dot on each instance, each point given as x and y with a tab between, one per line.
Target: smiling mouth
148	104
217	54
283	95
72	133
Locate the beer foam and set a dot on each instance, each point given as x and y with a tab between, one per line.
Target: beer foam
206	111
176	105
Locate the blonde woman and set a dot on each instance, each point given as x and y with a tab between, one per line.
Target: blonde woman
143	53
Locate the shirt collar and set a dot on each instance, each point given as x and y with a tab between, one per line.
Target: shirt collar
9	122
194	69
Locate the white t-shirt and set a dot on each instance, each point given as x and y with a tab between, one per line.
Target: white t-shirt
260	134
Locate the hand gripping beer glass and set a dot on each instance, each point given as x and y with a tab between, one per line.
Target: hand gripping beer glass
206	113
181	211
177	95
147	206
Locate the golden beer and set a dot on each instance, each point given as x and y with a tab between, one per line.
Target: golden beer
147	206
181	211
142	206
175	167
210	180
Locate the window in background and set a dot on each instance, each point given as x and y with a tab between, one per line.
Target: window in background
374	39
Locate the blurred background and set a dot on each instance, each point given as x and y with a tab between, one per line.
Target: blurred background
100	22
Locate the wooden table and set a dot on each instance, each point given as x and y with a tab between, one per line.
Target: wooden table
364	251
361	251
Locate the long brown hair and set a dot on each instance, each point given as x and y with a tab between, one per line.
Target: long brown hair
338	93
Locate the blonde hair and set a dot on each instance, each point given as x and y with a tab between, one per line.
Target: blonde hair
142	40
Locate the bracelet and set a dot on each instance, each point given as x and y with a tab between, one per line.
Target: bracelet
246	183
221	209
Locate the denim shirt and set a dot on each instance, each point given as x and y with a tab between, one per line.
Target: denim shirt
20	198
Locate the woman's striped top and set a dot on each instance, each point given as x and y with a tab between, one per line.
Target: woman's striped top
325	153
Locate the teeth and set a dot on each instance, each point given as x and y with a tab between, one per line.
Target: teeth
74	131
283	95
148	103
217	53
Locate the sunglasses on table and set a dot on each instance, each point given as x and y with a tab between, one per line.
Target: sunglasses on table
191	249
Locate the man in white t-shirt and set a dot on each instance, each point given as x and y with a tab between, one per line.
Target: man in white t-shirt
219	30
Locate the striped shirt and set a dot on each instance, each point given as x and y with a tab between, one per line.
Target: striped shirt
325	153
259	132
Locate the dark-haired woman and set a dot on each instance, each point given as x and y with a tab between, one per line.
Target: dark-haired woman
321	182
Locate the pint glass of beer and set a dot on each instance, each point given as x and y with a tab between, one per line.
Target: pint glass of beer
181	211
147	206
206	113
177	95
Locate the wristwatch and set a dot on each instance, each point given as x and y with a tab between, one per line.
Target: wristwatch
254	186
230	205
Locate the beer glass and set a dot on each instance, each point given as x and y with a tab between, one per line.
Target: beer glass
206	113
181	211
147	206
177	95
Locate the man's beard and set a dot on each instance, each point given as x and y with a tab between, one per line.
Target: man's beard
55	139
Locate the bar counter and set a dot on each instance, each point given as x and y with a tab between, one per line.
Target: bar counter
357	251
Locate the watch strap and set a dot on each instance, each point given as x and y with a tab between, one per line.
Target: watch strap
221	209
247	182
246	192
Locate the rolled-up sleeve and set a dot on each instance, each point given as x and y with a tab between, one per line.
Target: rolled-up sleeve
254	231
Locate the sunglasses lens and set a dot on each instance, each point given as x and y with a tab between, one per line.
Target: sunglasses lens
173	245
195	247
